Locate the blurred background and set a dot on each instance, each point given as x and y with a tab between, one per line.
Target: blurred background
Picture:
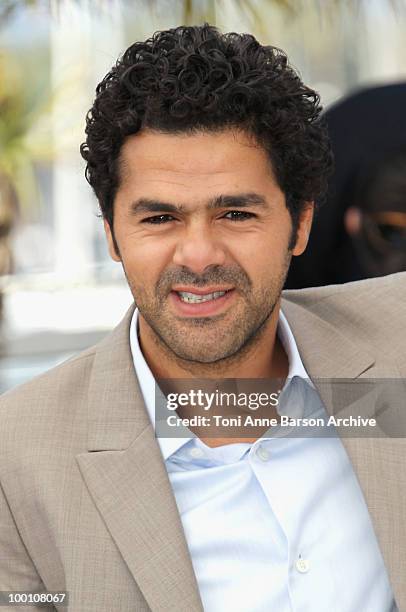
59	290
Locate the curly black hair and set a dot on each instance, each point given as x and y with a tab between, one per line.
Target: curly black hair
188	79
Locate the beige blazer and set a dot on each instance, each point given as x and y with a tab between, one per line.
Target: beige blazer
85	502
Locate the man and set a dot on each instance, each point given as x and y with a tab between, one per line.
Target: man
206	154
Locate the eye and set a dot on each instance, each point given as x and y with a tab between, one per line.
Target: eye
158	219
238	215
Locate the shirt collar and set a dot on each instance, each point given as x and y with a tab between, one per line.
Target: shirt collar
147	382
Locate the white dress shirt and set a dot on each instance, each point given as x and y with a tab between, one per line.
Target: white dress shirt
278	525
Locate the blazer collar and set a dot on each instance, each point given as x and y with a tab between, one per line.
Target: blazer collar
116	414
326	352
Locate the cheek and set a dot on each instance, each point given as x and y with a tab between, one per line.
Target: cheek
262	256
144	261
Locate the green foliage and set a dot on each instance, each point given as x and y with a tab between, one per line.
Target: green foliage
24	101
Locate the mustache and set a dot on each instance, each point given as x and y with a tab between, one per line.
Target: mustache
213	275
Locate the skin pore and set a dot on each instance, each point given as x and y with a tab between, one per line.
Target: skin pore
200	214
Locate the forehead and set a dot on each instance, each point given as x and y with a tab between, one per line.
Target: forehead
200	160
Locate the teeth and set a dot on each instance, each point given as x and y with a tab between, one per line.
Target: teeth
193	298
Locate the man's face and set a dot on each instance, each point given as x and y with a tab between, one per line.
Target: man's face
203	232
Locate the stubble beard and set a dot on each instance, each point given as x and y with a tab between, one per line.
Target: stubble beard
207	345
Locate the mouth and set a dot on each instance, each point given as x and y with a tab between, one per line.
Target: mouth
200	301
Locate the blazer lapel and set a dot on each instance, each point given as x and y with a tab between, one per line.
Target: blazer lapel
328	354
128	481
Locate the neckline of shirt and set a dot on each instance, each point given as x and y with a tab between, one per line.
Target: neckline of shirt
146	379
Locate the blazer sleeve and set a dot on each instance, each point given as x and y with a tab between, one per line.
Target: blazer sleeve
17	571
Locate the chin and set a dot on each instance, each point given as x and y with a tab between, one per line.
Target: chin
206	355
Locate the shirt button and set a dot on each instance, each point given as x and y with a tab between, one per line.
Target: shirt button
196	452
263	453
302	565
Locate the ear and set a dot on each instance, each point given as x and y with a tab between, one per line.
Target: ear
110	242
352	220
303	228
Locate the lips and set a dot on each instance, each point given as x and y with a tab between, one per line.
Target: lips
193	301
195	298
201	290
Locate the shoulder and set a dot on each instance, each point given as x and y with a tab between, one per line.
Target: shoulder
53	406
371	311
47	405
389	289
70	374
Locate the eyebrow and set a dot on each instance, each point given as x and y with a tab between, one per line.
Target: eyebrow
240	200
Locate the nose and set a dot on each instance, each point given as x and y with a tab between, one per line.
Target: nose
198	248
